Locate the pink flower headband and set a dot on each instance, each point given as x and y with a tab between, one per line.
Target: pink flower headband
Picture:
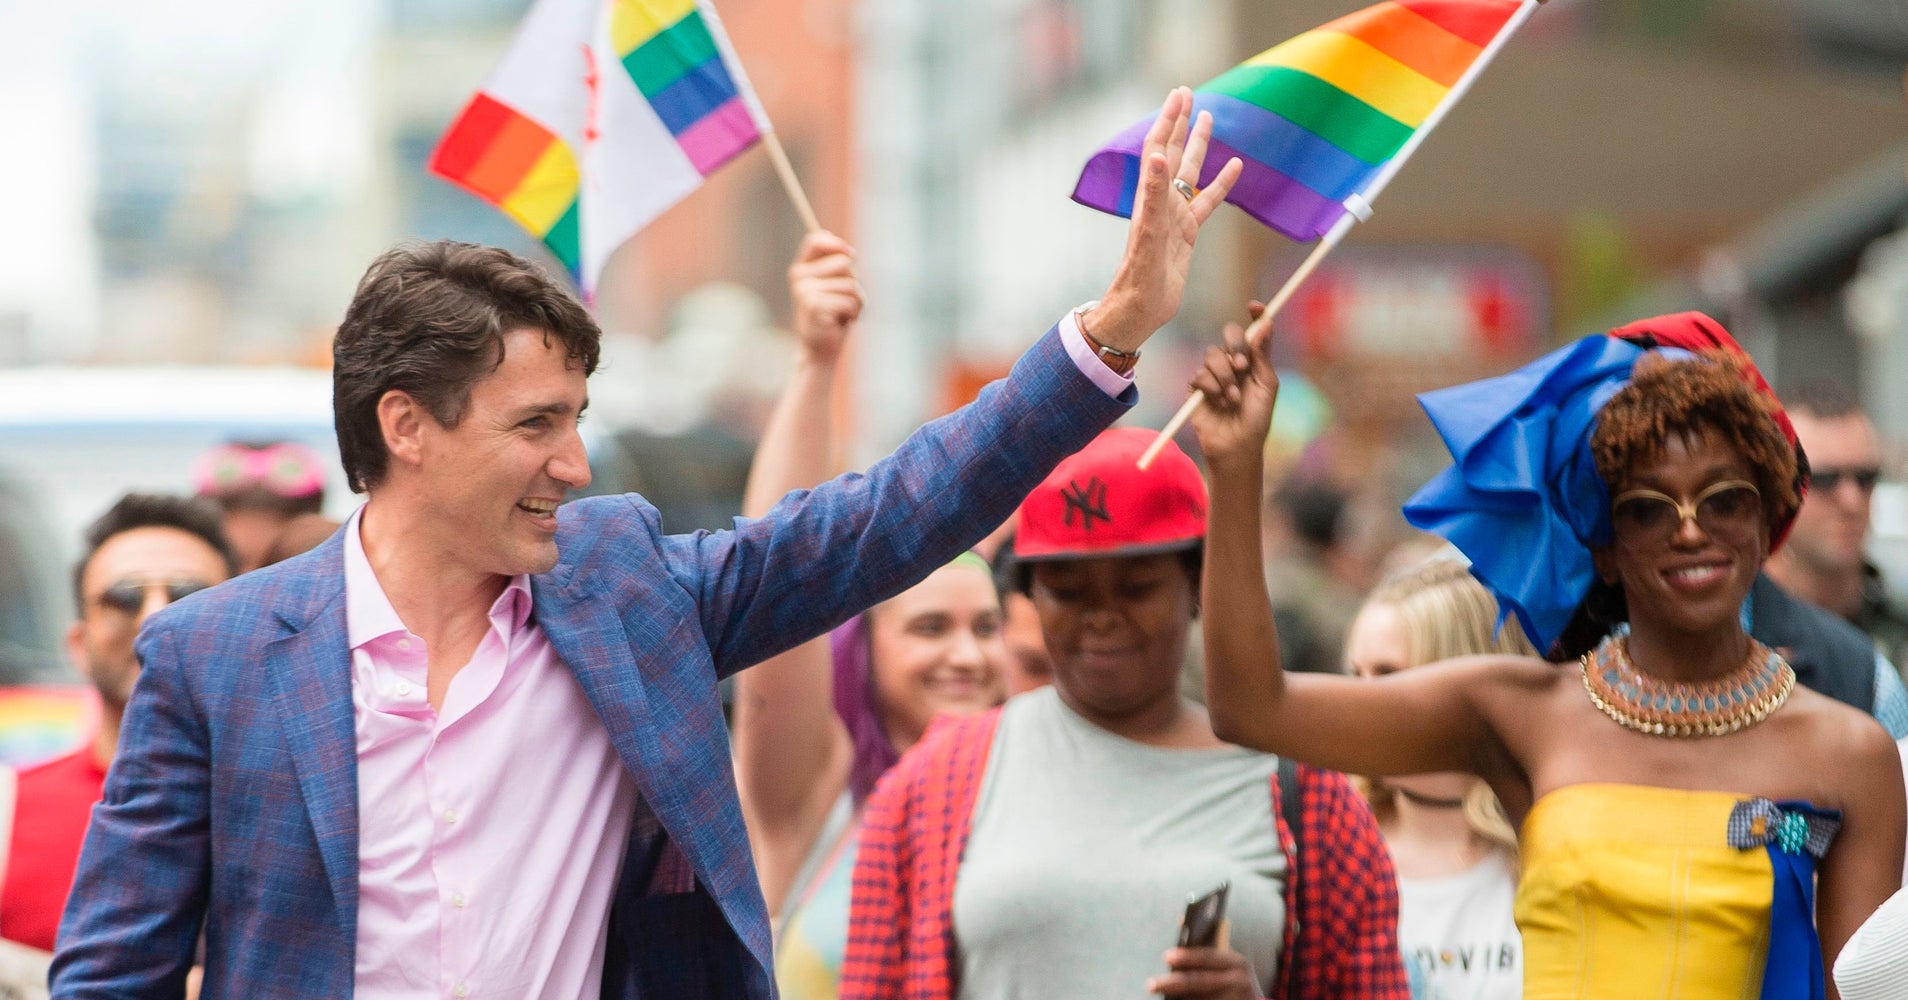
284	469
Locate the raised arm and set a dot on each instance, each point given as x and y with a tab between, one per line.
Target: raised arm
856	540
792	754
1413	721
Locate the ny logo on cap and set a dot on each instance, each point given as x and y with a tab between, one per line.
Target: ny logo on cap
1088	501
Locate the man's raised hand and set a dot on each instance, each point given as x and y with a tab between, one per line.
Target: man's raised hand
1168	210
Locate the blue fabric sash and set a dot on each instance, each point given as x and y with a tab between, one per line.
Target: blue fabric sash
1796	835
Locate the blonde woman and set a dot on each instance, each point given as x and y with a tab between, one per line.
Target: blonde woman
1455	851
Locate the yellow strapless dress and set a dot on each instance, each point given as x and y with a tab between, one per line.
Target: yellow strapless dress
1631	892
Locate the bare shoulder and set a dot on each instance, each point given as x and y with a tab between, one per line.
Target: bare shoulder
1822	722
1821	729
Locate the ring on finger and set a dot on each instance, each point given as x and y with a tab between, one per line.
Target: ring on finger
1186	191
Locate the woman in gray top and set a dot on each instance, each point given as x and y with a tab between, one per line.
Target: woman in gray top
1047	849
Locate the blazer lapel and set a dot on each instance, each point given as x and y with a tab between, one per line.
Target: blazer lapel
310	674
590	637
591	640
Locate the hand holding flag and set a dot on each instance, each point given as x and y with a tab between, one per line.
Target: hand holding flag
1241	389
1151	279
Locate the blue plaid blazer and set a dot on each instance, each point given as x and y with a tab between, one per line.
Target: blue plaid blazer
233	803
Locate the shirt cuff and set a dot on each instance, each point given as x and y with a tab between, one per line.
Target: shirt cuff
1089	363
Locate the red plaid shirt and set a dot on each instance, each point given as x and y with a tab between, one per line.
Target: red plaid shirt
1341	895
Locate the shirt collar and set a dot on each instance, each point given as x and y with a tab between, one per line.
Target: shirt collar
511	610
368	612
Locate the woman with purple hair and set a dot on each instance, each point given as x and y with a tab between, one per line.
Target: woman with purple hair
810	741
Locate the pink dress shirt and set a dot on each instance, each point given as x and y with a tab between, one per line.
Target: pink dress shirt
490	833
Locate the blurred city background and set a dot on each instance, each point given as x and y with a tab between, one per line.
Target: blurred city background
198	183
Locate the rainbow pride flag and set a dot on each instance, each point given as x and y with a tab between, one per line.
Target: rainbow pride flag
671	51
1316	118
600	116
38	722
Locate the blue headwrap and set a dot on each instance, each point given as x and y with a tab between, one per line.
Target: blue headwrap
1523	500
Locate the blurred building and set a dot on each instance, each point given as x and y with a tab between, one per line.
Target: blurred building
232	146
210	178
976	118
1614	145
49	289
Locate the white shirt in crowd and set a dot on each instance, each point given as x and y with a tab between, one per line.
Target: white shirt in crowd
1458	934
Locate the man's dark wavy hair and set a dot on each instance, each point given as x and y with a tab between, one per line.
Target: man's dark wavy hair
429	320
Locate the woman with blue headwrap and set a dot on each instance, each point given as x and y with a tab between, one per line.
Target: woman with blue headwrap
1693	824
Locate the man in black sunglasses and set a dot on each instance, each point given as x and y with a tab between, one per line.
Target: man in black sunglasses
144	553
1824	562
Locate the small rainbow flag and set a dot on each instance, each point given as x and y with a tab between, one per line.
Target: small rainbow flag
670	49
38	722
521	167
1315	119
601	115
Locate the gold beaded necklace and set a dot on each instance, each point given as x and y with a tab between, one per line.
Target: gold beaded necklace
1637	701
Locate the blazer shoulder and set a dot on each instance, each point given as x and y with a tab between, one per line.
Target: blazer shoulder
217	630
590	524
241	604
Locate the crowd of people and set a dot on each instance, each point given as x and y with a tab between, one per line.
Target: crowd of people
1012	717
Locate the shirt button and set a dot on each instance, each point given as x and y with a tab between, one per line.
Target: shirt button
461	990
457	900
403	690
450	815
406	644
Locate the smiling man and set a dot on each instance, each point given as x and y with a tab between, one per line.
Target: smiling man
472	746
1826	562
145	552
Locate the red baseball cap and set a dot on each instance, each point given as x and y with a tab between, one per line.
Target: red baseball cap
1099	503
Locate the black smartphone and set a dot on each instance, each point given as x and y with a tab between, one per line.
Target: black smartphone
1200	927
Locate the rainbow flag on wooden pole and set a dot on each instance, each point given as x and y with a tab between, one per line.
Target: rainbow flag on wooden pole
600	116
1323	122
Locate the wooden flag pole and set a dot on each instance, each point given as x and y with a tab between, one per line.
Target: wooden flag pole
791	183
1256	333
1358	210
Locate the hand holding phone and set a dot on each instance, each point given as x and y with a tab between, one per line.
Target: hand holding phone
1205	916
1203	964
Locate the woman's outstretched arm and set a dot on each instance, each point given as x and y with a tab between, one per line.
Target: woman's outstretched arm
792	755
1413	721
